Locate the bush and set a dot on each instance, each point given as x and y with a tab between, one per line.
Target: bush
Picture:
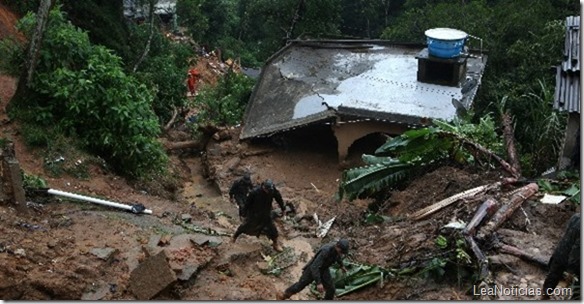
225	103
83	90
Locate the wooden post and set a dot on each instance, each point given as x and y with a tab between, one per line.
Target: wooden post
12	189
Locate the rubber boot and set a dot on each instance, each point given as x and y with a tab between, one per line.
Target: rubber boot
281	296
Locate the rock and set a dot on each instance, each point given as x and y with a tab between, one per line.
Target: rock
20	252
151	277
201	240
164	240
133	257
263	266
240	251
152	246
104	253
186	272
186	218
97	292
232	163
180	241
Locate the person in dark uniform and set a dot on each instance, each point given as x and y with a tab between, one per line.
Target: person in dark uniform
317	270
239	191
566	257
258	211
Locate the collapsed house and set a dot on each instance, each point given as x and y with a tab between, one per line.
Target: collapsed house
362	87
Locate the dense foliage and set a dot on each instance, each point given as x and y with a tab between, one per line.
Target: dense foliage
224	103
81	89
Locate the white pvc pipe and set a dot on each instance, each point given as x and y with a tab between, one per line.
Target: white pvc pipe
94	200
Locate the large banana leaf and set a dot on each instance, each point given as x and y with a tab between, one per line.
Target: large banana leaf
356	277
395	144
371	178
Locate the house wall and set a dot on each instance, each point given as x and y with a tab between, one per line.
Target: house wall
571	143
347	133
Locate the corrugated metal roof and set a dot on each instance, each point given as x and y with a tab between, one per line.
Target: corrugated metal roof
572	45
312	81
567	93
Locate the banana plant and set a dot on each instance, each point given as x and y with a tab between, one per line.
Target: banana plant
395	160
356	277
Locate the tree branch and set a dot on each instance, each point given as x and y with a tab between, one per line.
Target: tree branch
149	42
37	38
510	142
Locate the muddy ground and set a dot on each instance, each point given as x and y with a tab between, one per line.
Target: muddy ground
74	250
70	250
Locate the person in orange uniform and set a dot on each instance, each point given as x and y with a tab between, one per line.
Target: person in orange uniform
192	80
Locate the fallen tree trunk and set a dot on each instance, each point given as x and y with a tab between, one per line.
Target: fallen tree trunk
507	209
189	144
523	254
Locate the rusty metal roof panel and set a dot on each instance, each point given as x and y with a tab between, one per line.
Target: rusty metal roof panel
307	82
567	92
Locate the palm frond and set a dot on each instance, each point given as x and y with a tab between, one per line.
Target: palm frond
371	179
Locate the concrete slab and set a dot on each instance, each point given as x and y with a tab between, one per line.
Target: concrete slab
151	277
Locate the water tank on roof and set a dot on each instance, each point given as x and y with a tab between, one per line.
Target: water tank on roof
445	42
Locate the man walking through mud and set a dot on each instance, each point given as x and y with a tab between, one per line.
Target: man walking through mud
317	270
239	191
258	213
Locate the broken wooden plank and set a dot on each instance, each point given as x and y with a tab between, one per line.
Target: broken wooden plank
450	200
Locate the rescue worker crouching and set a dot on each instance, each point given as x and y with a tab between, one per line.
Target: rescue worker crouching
317	270
257	210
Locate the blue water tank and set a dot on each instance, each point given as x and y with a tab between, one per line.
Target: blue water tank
445	42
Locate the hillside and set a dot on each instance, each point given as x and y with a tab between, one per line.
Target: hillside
70	250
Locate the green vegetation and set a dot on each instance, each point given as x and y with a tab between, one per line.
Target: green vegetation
33	182
356	277
81	90
415	150
224	103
